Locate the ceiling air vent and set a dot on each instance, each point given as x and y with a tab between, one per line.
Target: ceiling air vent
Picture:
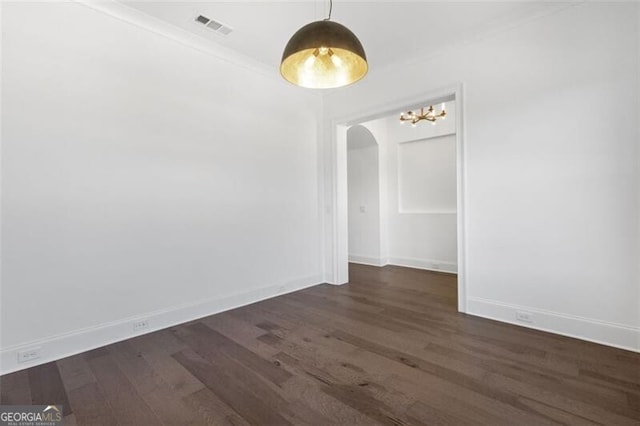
213	25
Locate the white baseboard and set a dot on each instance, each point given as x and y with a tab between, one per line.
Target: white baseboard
428	264
607	333
63	345
366	260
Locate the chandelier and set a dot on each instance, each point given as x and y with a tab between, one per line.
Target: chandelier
429	115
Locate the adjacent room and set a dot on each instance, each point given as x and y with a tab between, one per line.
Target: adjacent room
319	212
402	187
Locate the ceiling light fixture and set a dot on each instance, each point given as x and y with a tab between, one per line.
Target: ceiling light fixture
429	115
323	55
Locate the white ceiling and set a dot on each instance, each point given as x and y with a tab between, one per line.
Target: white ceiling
389	31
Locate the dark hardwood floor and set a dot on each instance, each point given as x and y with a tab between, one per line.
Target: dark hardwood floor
388	348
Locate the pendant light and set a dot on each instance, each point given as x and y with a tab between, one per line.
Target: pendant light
323	55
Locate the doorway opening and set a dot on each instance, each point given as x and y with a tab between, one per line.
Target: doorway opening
364	195
399	191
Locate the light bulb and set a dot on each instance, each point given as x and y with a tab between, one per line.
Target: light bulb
309	62
323	50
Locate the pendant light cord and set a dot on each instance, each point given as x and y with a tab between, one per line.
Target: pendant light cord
330	10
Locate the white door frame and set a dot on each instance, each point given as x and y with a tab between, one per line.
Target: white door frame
338	252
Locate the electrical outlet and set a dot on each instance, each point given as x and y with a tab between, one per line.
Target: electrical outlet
363	209
141	325
524	316
28	355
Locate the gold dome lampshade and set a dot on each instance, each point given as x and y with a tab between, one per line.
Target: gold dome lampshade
323	55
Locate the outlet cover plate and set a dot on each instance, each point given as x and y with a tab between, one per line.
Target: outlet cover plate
524	316
29	355
140	325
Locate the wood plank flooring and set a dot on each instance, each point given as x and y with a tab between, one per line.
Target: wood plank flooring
388	348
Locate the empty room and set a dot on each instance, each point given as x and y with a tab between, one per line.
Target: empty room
319	213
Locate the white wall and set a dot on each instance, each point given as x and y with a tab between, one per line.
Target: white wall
364	195
142	179
551	189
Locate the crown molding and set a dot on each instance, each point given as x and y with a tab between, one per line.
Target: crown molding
508	25
144	21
